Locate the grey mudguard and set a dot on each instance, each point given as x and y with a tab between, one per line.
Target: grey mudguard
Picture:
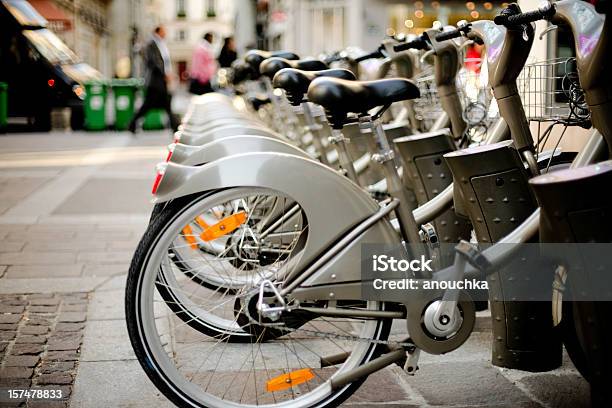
332	204
215	123
201	138
197	155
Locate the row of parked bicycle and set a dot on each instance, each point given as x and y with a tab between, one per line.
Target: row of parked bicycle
246	289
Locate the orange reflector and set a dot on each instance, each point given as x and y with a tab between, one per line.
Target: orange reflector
189	237
225	226
282	382
201	222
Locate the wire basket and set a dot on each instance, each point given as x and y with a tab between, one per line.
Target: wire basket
551	92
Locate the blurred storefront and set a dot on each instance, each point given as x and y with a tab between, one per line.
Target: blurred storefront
82	25
100	32
59	22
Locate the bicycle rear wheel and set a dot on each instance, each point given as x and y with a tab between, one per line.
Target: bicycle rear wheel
193	368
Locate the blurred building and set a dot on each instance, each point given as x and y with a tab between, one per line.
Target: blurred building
129	25
313	26
245	28
103	32
100	32
106	33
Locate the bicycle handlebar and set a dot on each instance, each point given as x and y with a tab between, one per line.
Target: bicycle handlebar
511	20
449	35
372	55
416	44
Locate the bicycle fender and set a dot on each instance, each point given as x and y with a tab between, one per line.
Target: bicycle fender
197	138
331	202
198	155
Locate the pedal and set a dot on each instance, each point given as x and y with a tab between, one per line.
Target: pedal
412	362
408	345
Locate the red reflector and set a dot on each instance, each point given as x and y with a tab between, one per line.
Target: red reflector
158	179
161	170
171	148
51	83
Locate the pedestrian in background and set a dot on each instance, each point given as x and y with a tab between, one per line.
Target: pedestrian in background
203	66
228	53
158	74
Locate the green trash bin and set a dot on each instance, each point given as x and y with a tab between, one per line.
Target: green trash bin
3	106
154	120
124	95
95	105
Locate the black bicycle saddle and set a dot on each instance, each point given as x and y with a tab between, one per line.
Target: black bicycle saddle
255	57
272	65
241	71
295	82
340	97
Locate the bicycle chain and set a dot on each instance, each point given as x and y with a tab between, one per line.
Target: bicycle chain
410	345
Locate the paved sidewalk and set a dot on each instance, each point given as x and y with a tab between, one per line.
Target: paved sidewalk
72	209
41	337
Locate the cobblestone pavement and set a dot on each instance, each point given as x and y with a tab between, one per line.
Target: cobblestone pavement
41	338
72	209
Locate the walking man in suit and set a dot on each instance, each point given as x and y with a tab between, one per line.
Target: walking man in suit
158	69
